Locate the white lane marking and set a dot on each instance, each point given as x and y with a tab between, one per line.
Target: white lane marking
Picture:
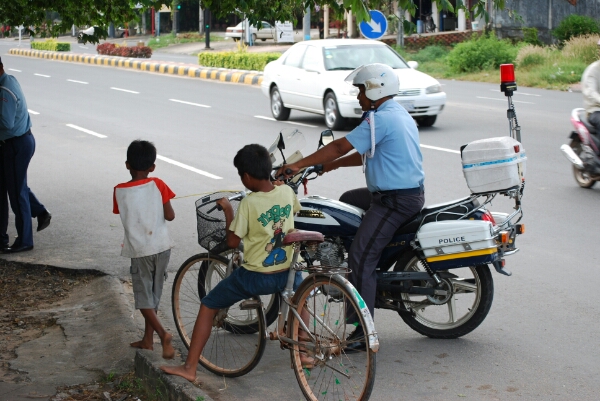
441	149
84	47
286	122
12	69
185	166
32	112
190	103
77	82
87	131
502	100
518	93
42	75
125	90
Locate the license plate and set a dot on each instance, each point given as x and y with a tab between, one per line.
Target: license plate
409	105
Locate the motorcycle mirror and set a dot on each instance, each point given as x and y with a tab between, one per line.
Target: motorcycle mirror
281	146
326	138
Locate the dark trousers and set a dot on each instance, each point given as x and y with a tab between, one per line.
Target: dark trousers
384	214
15	155
594	119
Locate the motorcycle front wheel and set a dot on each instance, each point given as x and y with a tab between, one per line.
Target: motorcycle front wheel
470	293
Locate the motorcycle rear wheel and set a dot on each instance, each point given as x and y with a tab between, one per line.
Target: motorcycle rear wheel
471	300
583	178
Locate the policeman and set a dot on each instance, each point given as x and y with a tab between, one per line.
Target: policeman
387	146
17	146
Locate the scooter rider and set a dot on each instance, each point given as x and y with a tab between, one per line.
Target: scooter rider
590	82
387	146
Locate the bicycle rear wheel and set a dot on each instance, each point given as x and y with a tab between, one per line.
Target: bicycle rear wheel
233	348
336	374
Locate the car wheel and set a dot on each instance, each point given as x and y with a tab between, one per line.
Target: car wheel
236	39
333	118
122	34
426	121
263	40
279	111
253	38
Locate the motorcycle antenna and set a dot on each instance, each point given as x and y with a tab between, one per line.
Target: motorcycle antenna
508	85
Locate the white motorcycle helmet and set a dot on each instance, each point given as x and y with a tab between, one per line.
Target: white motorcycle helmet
379	80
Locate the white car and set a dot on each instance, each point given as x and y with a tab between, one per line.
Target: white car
267	31
310	75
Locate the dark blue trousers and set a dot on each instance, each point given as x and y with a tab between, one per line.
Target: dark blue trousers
15	155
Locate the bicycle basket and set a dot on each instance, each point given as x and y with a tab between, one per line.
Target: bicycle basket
211	220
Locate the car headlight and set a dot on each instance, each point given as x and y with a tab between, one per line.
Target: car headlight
350	90
437	88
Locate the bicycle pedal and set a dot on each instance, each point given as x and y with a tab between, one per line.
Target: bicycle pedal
250	304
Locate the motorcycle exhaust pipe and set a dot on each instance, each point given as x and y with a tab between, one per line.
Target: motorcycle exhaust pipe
572	156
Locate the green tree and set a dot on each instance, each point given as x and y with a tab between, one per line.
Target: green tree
99	13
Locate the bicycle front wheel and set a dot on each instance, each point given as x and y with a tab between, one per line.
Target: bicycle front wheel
334	373
232	349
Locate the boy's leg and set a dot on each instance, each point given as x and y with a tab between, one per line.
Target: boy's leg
200	335
147	342
165	337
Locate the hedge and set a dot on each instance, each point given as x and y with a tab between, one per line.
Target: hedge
237	61
110	49
51	45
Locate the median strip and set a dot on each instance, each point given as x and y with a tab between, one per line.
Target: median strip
146	65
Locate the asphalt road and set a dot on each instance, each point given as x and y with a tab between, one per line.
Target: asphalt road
537	341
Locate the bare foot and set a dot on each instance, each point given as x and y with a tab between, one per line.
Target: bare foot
142	345
181	370
168	350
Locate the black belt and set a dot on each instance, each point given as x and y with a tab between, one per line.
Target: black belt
407	191
14	137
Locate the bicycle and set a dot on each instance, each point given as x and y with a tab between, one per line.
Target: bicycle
239	333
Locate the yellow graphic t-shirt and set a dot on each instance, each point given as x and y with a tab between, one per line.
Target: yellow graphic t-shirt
261	222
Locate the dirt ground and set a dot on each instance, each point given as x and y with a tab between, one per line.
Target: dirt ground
27	292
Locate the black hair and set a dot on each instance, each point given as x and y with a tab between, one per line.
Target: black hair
255	160
141	155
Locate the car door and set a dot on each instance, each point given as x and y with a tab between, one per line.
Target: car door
288	75
266	32
311	80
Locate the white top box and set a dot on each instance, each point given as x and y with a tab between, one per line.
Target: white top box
493	164
455	236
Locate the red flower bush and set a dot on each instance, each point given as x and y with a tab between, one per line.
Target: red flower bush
110	49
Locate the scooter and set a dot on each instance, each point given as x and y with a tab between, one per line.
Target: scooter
583	150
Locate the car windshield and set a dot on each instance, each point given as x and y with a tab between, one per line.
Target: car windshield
349	57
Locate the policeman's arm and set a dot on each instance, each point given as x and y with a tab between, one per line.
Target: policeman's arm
326	154
8	110
353	159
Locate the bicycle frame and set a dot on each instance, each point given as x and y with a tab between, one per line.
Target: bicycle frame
288	306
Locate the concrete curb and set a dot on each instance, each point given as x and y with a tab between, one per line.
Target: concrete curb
172	388
162	67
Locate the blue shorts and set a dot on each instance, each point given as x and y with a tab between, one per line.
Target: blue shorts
244	284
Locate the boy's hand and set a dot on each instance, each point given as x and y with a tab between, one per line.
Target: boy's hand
269	247
224	203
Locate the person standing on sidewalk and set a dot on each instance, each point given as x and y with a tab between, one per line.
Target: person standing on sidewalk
17	146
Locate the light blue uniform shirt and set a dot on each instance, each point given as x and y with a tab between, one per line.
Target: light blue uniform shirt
397	163
14	117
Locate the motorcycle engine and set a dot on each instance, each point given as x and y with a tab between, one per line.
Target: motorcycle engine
330	253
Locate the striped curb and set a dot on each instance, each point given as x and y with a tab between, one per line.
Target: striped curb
224	75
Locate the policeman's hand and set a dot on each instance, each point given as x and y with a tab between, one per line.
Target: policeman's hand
287	171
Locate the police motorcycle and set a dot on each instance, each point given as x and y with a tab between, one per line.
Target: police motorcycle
435	271
584	150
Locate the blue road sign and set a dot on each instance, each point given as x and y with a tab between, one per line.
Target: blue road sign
375	28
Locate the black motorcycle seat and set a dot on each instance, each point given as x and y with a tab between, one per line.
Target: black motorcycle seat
583	118
429	214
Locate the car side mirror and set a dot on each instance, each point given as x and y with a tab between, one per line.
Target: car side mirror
413	64
326	138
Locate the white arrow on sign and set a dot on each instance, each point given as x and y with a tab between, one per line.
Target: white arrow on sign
375	26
